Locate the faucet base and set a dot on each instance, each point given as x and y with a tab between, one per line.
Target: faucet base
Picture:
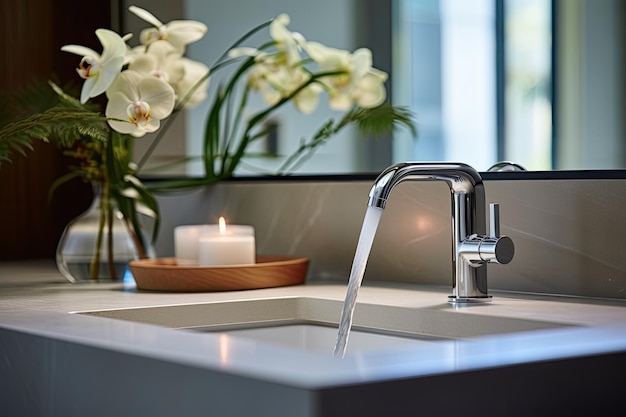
452	299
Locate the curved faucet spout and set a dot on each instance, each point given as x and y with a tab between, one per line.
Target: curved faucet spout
472	248
461	178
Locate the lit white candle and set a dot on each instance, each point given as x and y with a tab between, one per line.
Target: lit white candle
187	237
232	245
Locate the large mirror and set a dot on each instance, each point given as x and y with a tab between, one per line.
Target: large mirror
536	82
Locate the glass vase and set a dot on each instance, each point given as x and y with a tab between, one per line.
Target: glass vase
97	246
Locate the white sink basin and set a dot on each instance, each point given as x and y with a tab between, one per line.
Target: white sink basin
310	324
321	339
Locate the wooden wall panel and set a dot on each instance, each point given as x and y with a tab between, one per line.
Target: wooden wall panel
31	34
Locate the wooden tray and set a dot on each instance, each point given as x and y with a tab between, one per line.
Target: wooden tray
163	274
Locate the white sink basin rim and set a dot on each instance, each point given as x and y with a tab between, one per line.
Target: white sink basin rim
310	324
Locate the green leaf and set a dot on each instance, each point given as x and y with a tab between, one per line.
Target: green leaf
140	201
60	125
377	121
381	120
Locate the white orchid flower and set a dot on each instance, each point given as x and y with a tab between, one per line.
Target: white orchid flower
307	99
279	73
99	70
358	82
138	103
287	43
160	60
370	91
286	82
179	33
194	71
275	83
163	61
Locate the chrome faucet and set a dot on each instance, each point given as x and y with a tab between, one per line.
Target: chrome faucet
472	248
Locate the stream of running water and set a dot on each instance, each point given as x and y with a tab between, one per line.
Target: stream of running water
366	238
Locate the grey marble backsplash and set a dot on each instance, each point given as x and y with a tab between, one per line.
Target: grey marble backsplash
567	233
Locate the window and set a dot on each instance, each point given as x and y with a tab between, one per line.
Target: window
478	74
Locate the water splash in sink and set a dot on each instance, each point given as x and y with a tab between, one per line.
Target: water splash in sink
368	231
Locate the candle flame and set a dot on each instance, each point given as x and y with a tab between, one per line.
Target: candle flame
222	226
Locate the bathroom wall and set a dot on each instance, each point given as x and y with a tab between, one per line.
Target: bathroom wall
567	233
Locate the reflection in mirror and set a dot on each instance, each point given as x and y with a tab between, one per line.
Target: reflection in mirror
535	82
228	21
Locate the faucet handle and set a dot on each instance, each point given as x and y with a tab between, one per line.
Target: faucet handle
496	248
494	220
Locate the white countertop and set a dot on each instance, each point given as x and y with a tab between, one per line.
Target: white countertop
36	301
